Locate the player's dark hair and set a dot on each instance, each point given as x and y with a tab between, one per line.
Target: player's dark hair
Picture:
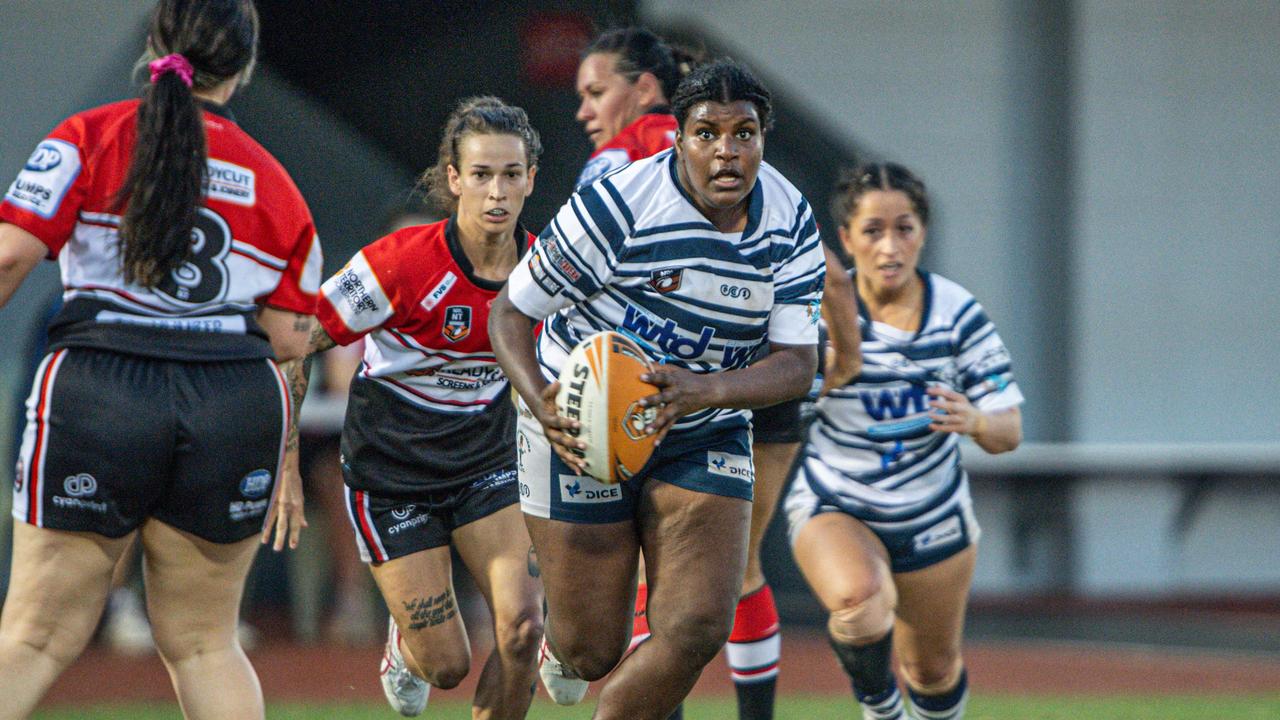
856	182
482	115
166	178
723	81
638	50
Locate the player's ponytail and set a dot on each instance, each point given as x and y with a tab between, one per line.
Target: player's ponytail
192	45
638	50
853	183
482	115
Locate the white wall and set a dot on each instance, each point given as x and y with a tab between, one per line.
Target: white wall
1178	224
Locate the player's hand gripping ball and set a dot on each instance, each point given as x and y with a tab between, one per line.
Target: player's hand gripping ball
600	387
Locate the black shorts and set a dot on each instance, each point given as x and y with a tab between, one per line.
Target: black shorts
112	439
777	423
391	527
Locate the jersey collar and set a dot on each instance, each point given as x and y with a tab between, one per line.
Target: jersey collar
925	305
464	264
221	111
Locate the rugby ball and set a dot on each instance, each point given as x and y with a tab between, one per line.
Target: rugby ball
600	387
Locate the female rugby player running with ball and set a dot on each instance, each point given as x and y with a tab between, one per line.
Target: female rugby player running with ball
625	78
428	453
189	260
654	250
881	520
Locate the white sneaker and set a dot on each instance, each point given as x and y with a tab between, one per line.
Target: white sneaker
127	630
406	692
562	684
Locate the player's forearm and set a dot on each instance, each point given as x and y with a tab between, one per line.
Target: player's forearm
511	333
840	310
297	373
999	431
784	374
20	252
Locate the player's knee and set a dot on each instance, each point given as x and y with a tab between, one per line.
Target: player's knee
590	657
443	667
934	674
864	619
699	635
42	639
519	636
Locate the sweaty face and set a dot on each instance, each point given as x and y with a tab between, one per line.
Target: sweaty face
491	182
884	236
718	151
610	101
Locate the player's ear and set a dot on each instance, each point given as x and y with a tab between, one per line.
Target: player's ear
648	90
455	179
528	187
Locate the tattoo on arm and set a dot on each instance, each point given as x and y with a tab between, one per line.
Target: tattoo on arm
320	340
534	570
431	611
297	373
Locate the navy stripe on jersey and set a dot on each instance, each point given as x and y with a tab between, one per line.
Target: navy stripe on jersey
870	450
634	255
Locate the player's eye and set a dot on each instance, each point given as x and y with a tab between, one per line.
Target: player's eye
745	134
705	134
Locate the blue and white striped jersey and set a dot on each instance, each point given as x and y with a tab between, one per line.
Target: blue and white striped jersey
631	253
869	449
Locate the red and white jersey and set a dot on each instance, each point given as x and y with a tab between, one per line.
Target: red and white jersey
416	295
254	242
648	135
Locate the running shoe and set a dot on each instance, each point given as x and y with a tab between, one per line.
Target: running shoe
406	692
562	684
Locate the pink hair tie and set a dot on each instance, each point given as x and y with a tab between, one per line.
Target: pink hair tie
173	63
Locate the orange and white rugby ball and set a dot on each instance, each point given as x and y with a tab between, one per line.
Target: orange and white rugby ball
600	387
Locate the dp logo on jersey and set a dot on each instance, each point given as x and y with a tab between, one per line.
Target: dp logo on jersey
457	322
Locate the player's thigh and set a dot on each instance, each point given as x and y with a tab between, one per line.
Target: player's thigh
931	606
58	584
695	554
497	552
772	465
418	589
232	420
842	560
588	573
194	587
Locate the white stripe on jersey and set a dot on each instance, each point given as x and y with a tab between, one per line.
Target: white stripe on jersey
435	379
869	447
631	253
90	268
358	296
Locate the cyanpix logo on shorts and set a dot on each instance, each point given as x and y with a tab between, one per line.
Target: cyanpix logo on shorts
80	485
947	531
729	465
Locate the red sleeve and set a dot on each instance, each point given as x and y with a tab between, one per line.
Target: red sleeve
45	198
371	291
300	282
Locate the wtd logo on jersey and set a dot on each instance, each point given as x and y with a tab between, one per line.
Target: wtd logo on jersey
737	467
255	484
457	322
894	402
584	489
665	336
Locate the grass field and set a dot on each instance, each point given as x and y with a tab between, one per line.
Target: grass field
982	707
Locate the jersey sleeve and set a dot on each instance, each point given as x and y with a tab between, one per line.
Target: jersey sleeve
45	198
300	282
598	166
572	260
983	362
362	296
798	277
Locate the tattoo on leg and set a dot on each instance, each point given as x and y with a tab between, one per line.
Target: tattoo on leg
534	570
431	611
